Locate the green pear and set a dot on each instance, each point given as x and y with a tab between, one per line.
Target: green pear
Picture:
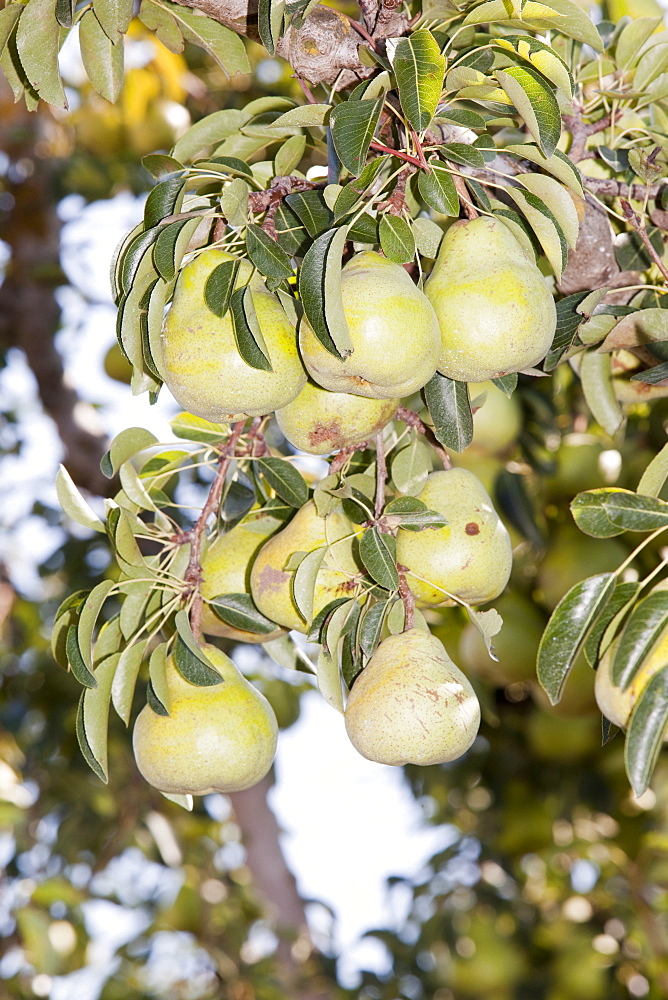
577	698
220	738
273	571
393	329
200	362
318	421
411	704
516	645
571	557
498	421
617	705
226	570
471	557
496	312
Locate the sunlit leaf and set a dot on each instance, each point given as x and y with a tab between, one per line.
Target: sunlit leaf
419	68
450	409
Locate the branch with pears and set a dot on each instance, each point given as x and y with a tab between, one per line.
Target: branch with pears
351	277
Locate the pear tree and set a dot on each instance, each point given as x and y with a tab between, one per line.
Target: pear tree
461	201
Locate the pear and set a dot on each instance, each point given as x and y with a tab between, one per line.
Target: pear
496	312
498	421
411	704
393	329
571	557
617	705
200	362
318	421
471	558
216	739
516	645
226	570
338	575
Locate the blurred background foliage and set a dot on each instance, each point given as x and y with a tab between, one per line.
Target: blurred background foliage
554	885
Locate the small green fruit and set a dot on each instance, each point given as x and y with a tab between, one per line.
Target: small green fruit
516	645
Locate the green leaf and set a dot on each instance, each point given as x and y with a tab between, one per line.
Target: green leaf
427	235
133	609
624	594
599	392
450	409
224	45
559	165
158	687
239	611
632	37
568	628
88	615
411	466
412	514
651	64
542	58
74	504
305	116
378	555
270	15
160	21
66	615
285	479
192	428
163	200
419	67
571	20
535	101
191	662
488	623
76	661
94	720
558	200
220	285
311	209
438	189
461	152
590	515
371	627
209	131
9	16
644	627
506	383
320	292
289	155
568	323
37	44
328	675
396	239
102	58
654	376
126	445
247	333
114	17
125	678
546	227
353	124
319	624
269	258
286	653
304	579
170	246
234	201
655	475
644	737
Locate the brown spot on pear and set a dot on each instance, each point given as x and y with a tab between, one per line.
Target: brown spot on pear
199	359
216	739
496	312
393	329
411	704
473	565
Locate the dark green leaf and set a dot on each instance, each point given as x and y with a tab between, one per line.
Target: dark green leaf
37	45
378	555
323	618
64	14
622	595
220	285
246	330
568	323
285	479
84	746
371	627
163	200
193	665
419	67
396	239
535	101
450	409
590	515
290	232
270	22
269	258
311	210
438	189
320	292
364	229
239	611
644	627
506	383
460	152
102	58
76	660
653	376
412	514
644	737
568	628
353	124
170	246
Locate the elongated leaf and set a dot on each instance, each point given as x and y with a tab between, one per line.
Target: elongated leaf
377	552
591	516
305	116
419	68
655	475
94	717
634	512
320	292
208	132
76	661
102	58
285	479
114	16
270	15
170	246
647	727
9	15
192	428
126	445
220	285
594	647
643	629
568	628
269	258
303	582
571	20
546	227
37	44
239	611
535	101
247	333
289	155
319	624
88	615
371	627
568	323
223	44
599	392
632	38
191	662
396	239
558	164
411	466
160	700
450	409
164	199
353	124
67	615
438	189
462	153
328	673
558	200
74	504
654	376
125	679
311	209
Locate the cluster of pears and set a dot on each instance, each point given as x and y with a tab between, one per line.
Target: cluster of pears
485	311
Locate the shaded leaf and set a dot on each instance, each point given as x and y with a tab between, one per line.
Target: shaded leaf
396	239
568	323
220	285
269	258
285	479
322	619
437	187
371	627
353	124
377	552
623	594
247	333
125	678
88	615
102	58
546	227
450	409
170	246
74	504
304	580
239	611
191	662
644	627
311	210
320	292
76	661
590	514
411	466
599	391
37	44
93	717
270	15
644	737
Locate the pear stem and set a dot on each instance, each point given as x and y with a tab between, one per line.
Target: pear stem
407	597
193	575
411	418
381	475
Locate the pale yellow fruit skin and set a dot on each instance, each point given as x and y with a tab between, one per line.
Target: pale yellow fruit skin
617	705
318	421
496	312
393	329
498	422
200	363
271	582
471	558
411	704
216	739
226	570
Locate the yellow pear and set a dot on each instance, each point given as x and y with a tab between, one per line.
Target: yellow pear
393	329
319	421
411	704
471	557
498	421
338	575
616	704
516	645
226	570
216	739
496	312
200	362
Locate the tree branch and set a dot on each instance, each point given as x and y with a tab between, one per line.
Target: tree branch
634	221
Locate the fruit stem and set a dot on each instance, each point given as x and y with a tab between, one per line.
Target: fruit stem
381	475
407	597
193	574
411	418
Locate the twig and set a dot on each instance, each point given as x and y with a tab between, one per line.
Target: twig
464	196
408	598
380	148
616	189
411	418
340	460
634	221
581	132
369	10
381	475
306	90
418	147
